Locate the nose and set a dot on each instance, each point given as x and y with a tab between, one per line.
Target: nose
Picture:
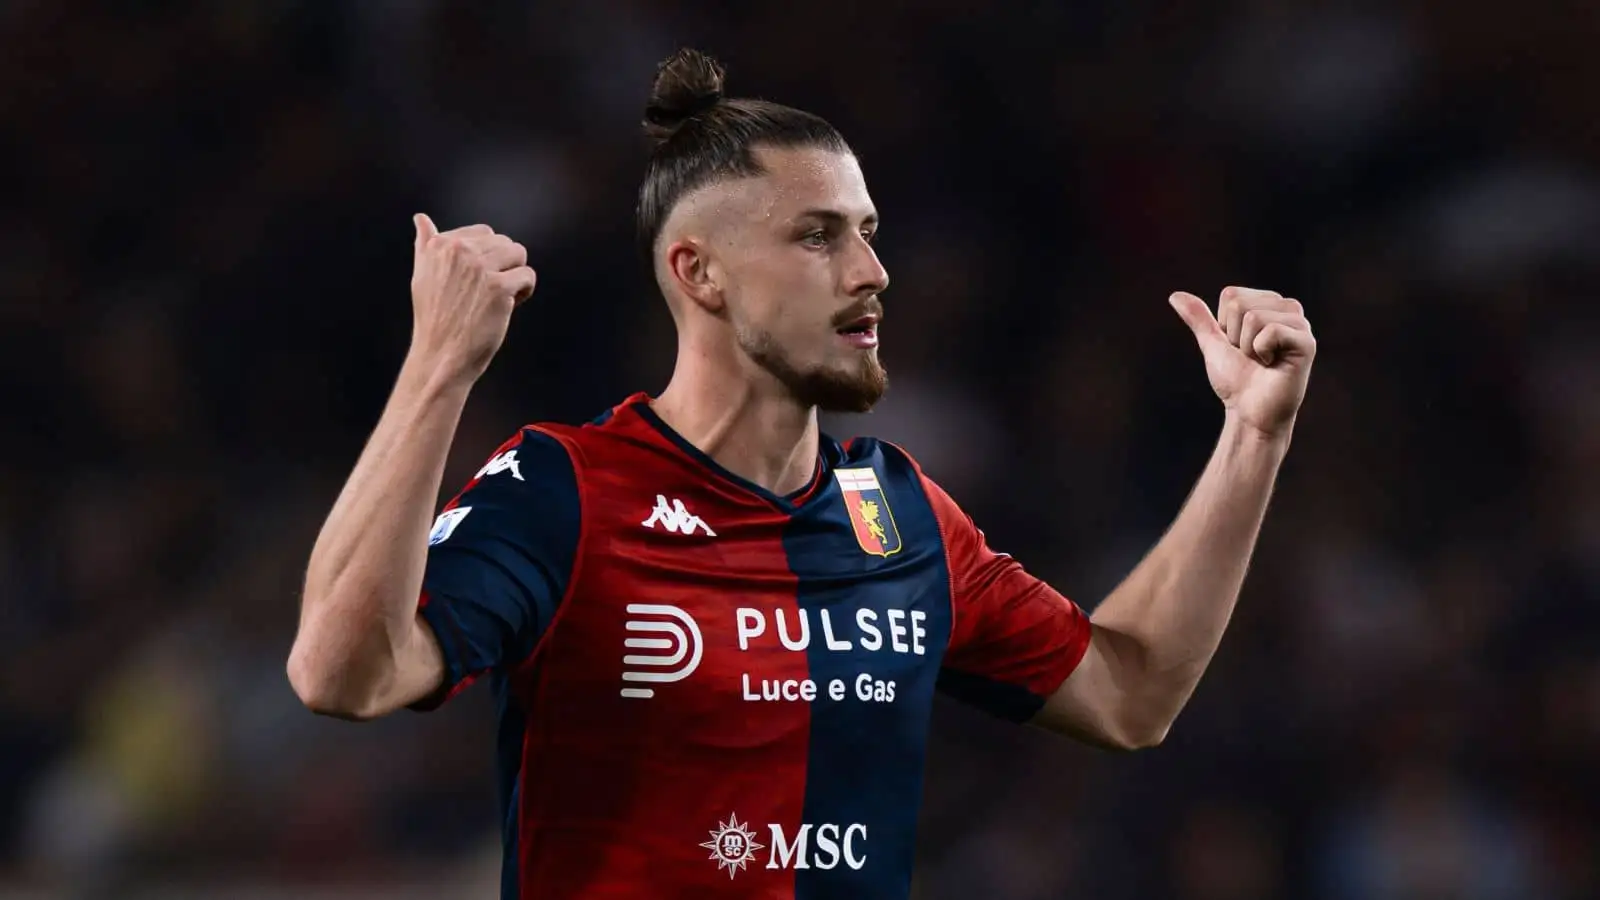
865	275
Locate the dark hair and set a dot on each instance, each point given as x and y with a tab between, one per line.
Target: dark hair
699	136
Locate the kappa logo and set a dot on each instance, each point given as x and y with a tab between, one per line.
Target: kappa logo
673	656
503	462
676	518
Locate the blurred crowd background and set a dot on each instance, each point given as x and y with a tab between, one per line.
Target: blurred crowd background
204	255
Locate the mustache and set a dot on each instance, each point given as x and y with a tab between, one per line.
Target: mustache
855	311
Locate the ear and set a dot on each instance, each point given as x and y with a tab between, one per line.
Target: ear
695	274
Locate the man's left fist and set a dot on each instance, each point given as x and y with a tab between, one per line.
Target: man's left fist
1258	350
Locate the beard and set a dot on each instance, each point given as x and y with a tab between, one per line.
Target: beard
838	390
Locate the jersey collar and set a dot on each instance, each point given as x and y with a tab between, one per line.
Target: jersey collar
829	454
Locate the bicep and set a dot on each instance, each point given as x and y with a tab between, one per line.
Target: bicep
1014	639
1015	642
1021	650
1084	706
500	560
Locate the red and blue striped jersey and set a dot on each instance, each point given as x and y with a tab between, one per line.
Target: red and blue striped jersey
707	690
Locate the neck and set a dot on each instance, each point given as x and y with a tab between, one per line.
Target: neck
745	421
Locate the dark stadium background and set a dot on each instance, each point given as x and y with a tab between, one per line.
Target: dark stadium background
204	253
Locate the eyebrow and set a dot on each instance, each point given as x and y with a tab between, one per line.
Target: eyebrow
835	218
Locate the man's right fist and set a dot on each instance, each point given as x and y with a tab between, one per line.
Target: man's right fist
464	285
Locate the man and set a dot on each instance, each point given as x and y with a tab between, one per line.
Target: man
714	633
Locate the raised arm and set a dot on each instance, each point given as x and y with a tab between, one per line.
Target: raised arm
1154	636
362	650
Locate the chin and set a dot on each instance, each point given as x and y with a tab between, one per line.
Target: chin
846	385
856	390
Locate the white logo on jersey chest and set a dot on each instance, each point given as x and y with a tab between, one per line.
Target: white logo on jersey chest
505	462
676	518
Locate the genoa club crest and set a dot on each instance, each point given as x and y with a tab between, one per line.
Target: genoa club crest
869	511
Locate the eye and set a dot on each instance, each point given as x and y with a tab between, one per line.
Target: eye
869	234
818	238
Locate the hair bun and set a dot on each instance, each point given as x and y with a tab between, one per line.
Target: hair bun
688	83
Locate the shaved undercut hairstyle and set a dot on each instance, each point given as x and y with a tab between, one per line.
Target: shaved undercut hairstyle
699	136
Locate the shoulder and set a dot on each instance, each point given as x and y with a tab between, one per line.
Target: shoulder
534	458
551	448
606	439
903	475
562	464
889	459
532	470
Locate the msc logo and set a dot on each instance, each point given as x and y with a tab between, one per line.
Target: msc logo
834	843
673	657
733	846
504	462
676	518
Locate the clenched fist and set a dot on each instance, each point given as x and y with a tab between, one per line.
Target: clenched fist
464	285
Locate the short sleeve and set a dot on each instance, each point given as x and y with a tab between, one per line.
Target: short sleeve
1014	639
500	556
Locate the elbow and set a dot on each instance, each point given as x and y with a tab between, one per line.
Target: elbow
1147	739
1134	734
326	690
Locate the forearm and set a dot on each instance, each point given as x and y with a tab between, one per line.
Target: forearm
1163	624
359	608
